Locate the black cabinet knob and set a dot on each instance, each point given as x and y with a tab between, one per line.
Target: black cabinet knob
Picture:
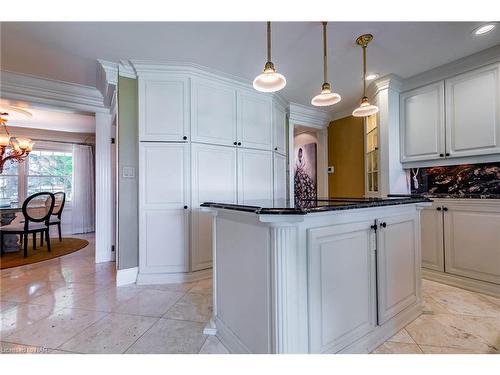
383	225
185	207
441	155
374	226
239	143
447	154
235	143
445	208
185	138
276	149
438	208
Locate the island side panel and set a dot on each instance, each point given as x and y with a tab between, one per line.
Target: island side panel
243	302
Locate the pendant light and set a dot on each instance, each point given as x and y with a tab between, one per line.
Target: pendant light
327	97
269	80
365	109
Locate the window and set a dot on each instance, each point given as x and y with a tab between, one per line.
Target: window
50	171
9	186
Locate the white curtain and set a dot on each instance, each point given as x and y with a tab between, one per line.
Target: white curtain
83	189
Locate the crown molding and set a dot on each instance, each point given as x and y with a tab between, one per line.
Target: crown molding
107	80
471	62
309	116
125	69
390	81
32	89
151	68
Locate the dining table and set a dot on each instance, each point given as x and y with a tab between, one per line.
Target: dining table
7	216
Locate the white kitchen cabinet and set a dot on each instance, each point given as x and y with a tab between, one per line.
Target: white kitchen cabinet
280	181
214	179
279	129
398	262
163	108
472	240
473	113
422	119
342	285
163	203
255	176
431	221
254	121
213	113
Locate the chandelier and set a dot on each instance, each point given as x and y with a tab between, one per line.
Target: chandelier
15	149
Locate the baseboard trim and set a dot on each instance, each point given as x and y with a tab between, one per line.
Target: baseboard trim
381	333
229	339
462	282
126	276
172	278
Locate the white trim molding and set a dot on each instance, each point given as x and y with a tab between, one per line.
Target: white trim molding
24	87
126	276
107	80
308	116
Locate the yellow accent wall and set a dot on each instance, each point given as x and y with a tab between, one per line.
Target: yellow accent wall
346	155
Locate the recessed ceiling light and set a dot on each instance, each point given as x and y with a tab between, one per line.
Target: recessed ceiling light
371	77
483	29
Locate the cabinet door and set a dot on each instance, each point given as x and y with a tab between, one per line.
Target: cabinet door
342	290
472	113
422	127
279	126
255	176
213	171
254	121
398	260
213	113
163	220
431	223
280	180
163	109
472	240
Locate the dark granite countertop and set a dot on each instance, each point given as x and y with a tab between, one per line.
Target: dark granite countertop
284	207
448	196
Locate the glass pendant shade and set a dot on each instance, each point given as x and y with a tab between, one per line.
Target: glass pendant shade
269	80
365	109
326	98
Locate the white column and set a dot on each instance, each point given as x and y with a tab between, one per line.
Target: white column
103	188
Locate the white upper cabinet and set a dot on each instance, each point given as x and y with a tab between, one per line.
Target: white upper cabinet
472	113
279	128
163	108
213	113
422	123
254	123
255	176
213	171
280	181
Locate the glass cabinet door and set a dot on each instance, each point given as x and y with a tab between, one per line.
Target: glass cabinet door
371	155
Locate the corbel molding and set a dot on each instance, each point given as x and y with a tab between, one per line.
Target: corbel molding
32	89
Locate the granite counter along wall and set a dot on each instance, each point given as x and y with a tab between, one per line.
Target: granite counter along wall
459	180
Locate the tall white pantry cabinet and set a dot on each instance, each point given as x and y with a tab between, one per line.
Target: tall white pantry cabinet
202	138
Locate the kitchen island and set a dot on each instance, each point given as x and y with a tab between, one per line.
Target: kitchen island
322	276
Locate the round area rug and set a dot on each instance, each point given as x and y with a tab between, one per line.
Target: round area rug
67	246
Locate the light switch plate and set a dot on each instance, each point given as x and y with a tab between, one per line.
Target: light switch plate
128	172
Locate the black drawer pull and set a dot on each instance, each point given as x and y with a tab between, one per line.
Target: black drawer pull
445	208
235	143
239	143
185	138
185	207
438	208
441	155
383	225
447	154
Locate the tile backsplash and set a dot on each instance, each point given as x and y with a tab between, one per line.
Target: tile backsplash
466	179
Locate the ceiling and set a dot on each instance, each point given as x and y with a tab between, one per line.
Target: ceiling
68	51
42	118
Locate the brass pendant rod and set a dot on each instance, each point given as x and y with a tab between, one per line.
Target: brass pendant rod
268	41
364	70
325	58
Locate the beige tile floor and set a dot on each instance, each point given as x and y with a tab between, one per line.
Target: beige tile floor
71	305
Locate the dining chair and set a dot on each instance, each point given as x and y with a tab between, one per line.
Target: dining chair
37	210
55	218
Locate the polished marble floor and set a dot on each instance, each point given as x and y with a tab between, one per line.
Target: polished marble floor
71	305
